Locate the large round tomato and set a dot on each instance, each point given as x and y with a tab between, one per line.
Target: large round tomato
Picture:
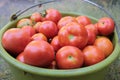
105	45
48	28
105	26
36	17
53	15
38	53
14	40
73	34
92	55
84	20
69	57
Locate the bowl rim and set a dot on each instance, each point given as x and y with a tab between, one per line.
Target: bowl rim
56	73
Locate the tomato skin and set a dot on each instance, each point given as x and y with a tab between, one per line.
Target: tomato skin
29	29
73	34
104	44
49	29
105	26
38	53
36	26
39	36
65	20
53	15
83	20
20	57
69	57
36	17
92	27
92	55
91	37
55	43
24	22
14	40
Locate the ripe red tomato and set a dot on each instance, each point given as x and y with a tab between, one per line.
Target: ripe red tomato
29	29
36	26
14	40
53	15
24	22
49	29
105	45
73	34
39	53
69	57
91	37
92	27
105	26
36	17
39	36
55	43
84	20
20	57
92	55
65	20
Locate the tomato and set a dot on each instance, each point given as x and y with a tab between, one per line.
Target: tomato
105	26
91	37
73	34
24	22
105	45
92	27
53	15
29	29
14	40
36	26
49	29
92	55
84	20
38	53
39	36
20	57
55	43
36	17
65	20
69	57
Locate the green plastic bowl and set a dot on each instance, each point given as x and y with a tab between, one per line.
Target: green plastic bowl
23	71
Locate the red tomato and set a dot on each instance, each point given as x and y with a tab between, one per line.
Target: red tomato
55	43
36	26
84	20
105	45
92	27
20	57
38	53
49	29
73	34
14	40
65	20
39	36
91	37
105	26
29	29
92	55
36	17
24	22
69	57
53	15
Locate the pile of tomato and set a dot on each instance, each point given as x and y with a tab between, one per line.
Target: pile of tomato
59	42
